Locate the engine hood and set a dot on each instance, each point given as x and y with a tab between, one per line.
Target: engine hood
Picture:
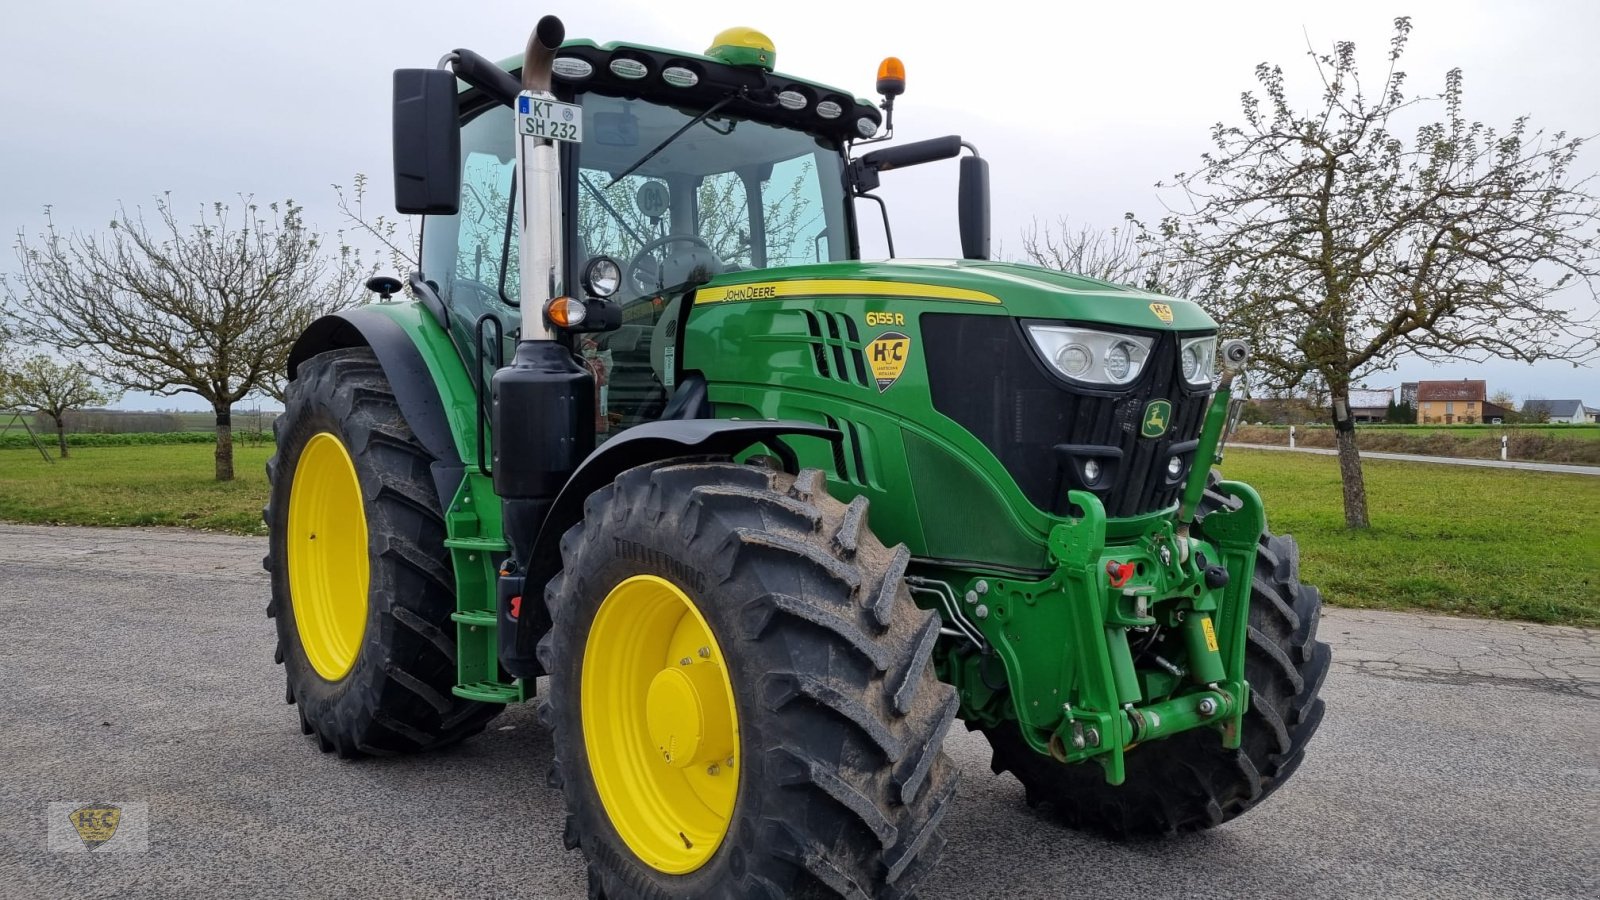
1018	290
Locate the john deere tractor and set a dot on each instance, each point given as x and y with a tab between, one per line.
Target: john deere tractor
769	516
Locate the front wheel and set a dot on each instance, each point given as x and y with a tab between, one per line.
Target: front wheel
741	692
1190	781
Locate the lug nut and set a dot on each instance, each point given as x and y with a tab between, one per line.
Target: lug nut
685	661
972	597
705	652
712	769
982	587
1208	706
982	611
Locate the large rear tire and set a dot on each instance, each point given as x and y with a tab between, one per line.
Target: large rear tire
741	693
1190	781
362	586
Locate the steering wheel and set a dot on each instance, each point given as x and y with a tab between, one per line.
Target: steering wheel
648	282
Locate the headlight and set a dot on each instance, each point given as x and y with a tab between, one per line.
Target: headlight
602	276
1197	357
1092	357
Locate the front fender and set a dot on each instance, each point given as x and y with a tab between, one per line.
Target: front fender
639	445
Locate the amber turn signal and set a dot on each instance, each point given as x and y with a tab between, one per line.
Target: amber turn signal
565	312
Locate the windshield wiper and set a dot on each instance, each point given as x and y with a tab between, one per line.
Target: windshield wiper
710	110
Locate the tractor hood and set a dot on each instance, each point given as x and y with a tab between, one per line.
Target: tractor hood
1023	291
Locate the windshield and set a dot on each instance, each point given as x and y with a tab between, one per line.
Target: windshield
726	194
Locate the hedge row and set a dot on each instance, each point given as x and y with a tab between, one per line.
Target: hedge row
1537	444
12	440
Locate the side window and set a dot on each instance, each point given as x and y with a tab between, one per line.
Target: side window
791	204
483	255
467	255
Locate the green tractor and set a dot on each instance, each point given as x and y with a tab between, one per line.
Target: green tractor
768	516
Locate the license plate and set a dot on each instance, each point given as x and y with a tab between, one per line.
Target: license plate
549	119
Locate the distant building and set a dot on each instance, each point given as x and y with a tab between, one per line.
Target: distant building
1495	414
1451	402
1568	411
1370	404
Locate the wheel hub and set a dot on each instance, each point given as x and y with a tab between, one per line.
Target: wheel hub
660	726
688	718
327	549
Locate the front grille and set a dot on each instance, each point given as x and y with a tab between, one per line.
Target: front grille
985	374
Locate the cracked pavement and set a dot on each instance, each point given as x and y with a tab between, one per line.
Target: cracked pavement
1459	758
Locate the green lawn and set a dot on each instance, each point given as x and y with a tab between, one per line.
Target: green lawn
1482	542
1457	539
145	485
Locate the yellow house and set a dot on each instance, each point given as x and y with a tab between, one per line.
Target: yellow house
1450	402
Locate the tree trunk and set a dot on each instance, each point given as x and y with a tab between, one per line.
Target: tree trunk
61	436
224	443
1355	485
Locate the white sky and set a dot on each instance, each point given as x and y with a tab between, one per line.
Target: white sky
1080	108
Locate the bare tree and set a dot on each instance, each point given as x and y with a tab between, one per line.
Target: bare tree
210	309
399	244
45	386
1338	247
1128	255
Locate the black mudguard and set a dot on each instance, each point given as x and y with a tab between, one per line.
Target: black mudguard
641	444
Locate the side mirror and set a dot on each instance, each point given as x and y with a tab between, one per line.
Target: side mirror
972	203
427	142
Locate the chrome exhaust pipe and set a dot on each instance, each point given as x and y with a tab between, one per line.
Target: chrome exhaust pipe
539	168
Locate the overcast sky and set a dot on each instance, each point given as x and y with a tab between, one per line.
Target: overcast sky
1080	108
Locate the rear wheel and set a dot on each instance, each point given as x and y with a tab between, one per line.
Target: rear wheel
1190	781
741	692
362	587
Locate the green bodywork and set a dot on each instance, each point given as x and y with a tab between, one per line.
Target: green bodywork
1041	611
1034	585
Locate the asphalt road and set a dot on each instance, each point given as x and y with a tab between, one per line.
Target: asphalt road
1458	759
1523	464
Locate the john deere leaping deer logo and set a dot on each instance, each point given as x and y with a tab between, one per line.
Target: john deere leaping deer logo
96	823
1156	416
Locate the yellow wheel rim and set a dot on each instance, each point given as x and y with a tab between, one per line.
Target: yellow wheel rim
328	568
660	724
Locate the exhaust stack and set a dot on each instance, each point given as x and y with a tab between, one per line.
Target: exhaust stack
539	168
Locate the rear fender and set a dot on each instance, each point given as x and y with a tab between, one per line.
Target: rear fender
430	383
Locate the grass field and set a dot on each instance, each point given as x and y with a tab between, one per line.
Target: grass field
1456	539
1481	542
168	484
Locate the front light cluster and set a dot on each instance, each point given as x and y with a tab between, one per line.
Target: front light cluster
1107	358
1092	357
1197	358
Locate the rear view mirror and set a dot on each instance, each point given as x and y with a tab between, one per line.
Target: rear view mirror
972	207
427	142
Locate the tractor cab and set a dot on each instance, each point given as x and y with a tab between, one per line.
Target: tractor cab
688	167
